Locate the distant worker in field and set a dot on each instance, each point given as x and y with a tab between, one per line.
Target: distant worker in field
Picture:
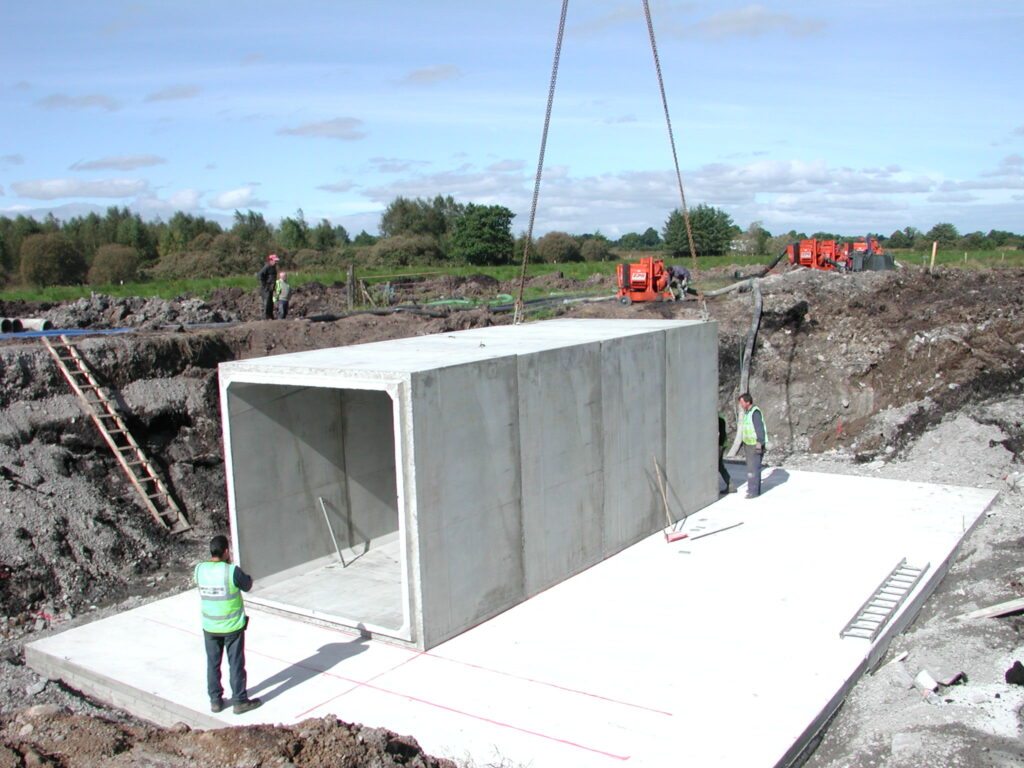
282	293
221	585
268	279
678	280
754	436
723	439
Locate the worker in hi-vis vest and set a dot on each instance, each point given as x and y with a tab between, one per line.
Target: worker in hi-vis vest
754	436
221	585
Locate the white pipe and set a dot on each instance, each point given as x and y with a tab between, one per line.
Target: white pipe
35	324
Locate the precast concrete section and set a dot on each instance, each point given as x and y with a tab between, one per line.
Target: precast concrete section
415	488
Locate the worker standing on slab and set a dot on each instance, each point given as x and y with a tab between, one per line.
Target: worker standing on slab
754	436
268	279
221	585
723	439
282	294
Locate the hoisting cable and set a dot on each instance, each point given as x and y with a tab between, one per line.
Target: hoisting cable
517	316
675	160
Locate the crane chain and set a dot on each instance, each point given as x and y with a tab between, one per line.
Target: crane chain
517	315
518	310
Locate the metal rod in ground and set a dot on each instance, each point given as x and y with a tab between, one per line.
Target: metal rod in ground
331	530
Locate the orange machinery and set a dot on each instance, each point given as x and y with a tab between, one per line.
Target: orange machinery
828	254
646	280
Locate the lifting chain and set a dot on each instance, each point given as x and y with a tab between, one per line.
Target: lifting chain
518	312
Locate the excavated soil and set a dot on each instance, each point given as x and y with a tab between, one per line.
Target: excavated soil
905	374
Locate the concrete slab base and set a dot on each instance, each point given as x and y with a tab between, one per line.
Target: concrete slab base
721	649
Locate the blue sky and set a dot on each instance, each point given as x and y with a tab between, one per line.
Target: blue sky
838	116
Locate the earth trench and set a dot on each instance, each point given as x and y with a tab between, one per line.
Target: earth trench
904	374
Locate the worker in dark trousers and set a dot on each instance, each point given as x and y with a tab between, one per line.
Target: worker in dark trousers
678	280
754	436
221	585
268	279
723	438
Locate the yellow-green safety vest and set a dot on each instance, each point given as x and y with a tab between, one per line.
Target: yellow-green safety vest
749	435
220	599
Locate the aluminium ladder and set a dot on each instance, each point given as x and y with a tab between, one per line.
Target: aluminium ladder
882	605
138	468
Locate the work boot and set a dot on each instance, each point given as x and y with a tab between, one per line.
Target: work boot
216	705
246	705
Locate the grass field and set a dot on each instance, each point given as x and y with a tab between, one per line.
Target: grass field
168	289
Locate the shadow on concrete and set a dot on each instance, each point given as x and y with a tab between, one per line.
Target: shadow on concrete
326	657
774	479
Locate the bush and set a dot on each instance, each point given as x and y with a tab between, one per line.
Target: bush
309	260
406	251
596	249
199	264
114	264
51	259
558	247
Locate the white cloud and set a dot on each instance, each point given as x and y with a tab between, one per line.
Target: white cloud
750	21
63	101
506	165
182	200
243	197
185	199
432	75
12	160
341	186
174	92
395	164
346	128
119	163
52	189
620	15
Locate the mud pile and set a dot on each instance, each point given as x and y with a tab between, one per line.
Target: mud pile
902	374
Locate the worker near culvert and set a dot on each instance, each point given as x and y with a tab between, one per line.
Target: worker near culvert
723	439
678	280
268	279
221	585
754	436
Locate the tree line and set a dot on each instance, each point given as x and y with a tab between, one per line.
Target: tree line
120	247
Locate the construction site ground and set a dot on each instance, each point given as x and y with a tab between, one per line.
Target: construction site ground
905	375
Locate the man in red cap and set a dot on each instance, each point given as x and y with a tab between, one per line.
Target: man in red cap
268	279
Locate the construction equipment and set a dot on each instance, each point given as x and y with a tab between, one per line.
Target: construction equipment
862	254
646	280
137	467
671	533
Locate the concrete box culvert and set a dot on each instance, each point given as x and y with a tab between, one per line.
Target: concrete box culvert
415	488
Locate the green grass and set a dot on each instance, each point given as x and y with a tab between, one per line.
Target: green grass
202	288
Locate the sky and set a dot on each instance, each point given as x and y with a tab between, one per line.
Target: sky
842	116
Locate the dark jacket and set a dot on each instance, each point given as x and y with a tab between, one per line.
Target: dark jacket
267	277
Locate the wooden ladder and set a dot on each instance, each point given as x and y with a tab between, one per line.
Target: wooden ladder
154	494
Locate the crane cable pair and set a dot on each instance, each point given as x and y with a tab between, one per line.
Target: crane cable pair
518	311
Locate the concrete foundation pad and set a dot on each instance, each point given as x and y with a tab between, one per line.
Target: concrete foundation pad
721	649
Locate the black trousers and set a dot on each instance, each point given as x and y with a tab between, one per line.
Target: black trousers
234	644
723	472
268	305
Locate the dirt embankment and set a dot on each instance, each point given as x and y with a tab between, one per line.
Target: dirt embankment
900	374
